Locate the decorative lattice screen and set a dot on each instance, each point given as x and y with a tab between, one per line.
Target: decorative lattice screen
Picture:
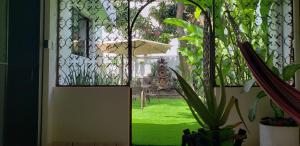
85	27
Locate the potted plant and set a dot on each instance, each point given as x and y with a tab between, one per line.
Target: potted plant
277	130
209	113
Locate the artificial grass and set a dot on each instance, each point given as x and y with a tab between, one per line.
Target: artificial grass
161	122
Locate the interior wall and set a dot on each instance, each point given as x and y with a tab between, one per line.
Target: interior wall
245	101
49	69
99	115
79	114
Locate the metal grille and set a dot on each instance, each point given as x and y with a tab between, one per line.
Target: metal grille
92	39
281	32
147	18
93	34
92	47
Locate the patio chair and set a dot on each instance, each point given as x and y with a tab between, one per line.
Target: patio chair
136	89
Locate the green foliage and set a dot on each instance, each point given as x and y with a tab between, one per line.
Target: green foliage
253	107
197	13
234	67
287	73
143	26
193	51
278	113
207	111
193	31
246	13
84	76
196	3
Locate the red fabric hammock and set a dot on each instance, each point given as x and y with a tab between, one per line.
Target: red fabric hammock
285	95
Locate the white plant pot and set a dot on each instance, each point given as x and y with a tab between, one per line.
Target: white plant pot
278	135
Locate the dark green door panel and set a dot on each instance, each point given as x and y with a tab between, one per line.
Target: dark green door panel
21	102
3	62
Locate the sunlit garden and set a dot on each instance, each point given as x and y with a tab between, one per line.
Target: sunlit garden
240	35
161	122
183	57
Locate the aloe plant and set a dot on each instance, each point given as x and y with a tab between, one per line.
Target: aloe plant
208	112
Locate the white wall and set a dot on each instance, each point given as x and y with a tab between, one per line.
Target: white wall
245	100
91	115
143	69
49	69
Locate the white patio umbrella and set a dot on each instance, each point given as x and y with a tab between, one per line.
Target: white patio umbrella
139	47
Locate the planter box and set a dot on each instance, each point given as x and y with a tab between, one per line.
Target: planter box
278	135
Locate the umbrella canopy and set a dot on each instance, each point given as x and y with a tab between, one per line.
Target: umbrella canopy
139	47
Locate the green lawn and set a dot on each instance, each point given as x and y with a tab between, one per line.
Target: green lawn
161	122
